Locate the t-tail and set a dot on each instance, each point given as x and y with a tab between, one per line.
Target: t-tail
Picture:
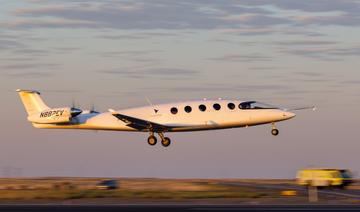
39	113
32	101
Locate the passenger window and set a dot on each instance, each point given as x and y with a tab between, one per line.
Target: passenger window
187	109
231	106
202	108
216	106
174	110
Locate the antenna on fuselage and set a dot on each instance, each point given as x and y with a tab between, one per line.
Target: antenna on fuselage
151	104
148	101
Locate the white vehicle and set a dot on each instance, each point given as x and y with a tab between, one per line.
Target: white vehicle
160	119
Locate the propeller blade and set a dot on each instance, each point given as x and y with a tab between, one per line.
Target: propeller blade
92	108
74	110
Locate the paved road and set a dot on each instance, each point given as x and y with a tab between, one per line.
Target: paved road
174	208
336	192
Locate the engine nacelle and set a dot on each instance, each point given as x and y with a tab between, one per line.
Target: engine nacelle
55	115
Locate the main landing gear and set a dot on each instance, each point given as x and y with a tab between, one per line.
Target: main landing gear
274	131
165	141
152	140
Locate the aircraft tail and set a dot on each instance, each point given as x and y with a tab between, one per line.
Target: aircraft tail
32	101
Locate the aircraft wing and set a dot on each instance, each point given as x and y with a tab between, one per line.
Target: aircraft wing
140	124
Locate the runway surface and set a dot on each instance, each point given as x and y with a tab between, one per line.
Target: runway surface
173	208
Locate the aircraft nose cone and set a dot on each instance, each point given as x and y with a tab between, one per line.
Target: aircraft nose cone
288	115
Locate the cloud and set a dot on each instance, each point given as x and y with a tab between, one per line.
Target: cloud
62	91
306	43
309	74
157	14
31	52
38	23
351	82
347	6
29	75
268	30
342	20
168	73
131	53
17	59
242	58
254	19
324	53
10	44
29	66
65	49
122	37
161	14
249	31
264	68
171	71
214	88
317	12
139	35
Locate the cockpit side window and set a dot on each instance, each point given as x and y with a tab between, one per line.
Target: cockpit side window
255	105
245	105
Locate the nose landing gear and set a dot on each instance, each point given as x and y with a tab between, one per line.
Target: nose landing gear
165	141
274	130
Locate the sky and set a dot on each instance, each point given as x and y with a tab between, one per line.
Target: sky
116	54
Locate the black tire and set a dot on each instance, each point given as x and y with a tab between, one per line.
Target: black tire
152	140
166	142
275	132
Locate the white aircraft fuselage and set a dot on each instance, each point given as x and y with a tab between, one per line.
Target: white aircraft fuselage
161	118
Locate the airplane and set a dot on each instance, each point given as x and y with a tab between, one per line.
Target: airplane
159	119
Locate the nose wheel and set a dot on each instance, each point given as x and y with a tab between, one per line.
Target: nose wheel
165	141
274	130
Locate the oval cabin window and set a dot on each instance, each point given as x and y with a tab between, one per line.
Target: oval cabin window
202	108
174	110
187	109
231	106
216	106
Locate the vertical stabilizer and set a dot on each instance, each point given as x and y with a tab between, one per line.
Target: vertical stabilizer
32	101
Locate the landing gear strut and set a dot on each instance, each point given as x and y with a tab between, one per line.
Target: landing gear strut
165	141
274	131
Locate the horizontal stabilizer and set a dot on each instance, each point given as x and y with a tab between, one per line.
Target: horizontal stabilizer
27	91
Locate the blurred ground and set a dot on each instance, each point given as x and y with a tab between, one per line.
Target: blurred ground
167	191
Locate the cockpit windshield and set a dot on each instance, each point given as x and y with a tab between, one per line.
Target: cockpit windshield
255	105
